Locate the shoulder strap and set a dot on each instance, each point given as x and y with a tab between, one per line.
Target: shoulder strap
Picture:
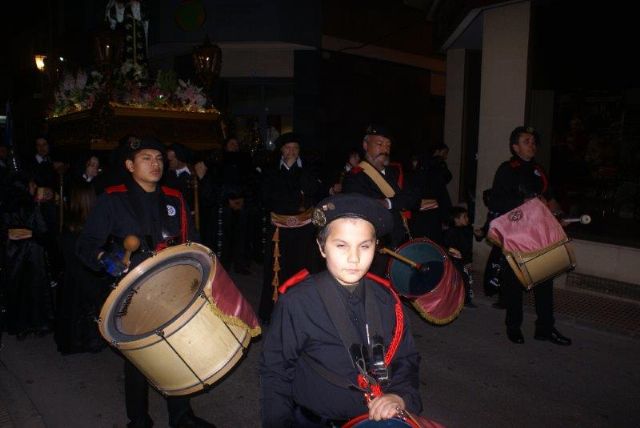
335	308
378	179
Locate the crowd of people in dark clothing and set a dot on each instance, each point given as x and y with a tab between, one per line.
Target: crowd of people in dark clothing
236	192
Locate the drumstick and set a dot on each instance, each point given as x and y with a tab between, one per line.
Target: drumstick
416	266
583	219
131	244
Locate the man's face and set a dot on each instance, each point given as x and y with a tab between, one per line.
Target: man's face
42	147
526	147
233	145
378	149
290	152
92	167
349	249
172	160
462	220
146	168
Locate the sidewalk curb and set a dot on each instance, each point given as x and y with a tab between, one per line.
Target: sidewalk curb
16	408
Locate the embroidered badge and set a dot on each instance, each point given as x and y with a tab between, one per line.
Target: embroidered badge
319	219
515	215
171	210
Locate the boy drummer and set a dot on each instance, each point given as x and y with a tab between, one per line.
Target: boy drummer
339	343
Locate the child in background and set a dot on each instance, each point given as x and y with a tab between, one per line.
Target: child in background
458	240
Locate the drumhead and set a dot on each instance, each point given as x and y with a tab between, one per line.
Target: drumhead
156	293
411	282
363	421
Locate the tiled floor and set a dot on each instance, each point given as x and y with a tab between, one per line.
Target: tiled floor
611	313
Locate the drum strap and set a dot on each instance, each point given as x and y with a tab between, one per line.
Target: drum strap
348	333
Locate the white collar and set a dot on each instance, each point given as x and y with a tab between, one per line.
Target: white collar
183	169
41	159
297	162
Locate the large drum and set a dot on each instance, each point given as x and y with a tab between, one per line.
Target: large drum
179	319
435	288
363	421
533	242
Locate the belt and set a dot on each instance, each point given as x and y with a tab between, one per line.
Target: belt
319	420
292	221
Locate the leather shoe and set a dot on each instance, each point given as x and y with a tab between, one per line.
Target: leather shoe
192	421
554	336
515	335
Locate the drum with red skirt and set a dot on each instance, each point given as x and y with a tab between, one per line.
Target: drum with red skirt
425	275
533	242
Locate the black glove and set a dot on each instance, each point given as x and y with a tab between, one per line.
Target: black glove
112	263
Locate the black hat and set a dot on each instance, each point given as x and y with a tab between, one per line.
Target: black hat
183	154
134	145
515	134
378	129
353	205
287	137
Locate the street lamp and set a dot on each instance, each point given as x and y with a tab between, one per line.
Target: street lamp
207	60
40	61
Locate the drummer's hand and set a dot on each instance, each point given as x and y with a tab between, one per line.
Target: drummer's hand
385	407
455	253
112	263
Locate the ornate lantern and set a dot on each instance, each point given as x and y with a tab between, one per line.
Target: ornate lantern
108	45
207	60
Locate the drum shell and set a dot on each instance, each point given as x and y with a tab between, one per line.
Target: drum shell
539	266
192	350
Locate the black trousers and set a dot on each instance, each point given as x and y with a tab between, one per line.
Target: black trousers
136	394
513	291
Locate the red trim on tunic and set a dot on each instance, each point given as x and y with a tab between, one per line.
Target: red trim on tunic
295	279
120	188
356	170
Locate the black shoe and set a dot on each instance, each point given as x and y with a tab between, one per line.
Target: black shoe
515	335
554	336
192	421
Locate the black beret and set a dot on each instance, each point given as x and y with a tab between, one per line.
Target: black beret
515	134
287	137
378	129
183	154
134	145
353	205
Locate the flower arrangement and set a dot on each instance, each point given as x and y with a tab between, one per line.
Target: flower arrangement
80	92
77	92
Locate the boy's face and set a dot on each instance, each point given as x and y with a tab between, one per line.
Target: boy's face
349	249
462	220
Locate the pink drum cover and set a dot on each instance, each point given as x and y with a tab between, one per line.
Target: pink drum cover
228	300
527	228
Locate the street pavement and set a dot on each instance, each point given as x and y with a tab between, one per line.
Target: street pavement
470	376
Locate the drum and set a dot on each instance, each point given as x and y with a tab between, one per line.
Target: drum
179	319
363	421
533	242
436	289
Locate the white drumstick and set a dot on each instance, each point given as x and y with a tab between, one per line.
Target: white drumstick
583	219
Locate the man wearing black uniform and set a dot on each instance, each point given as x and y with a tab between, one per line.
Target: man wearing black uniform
516	181
339	345
289	194
373	178
158	216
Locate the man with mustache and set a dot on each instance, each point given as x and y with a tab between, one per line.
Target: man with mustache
374	178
